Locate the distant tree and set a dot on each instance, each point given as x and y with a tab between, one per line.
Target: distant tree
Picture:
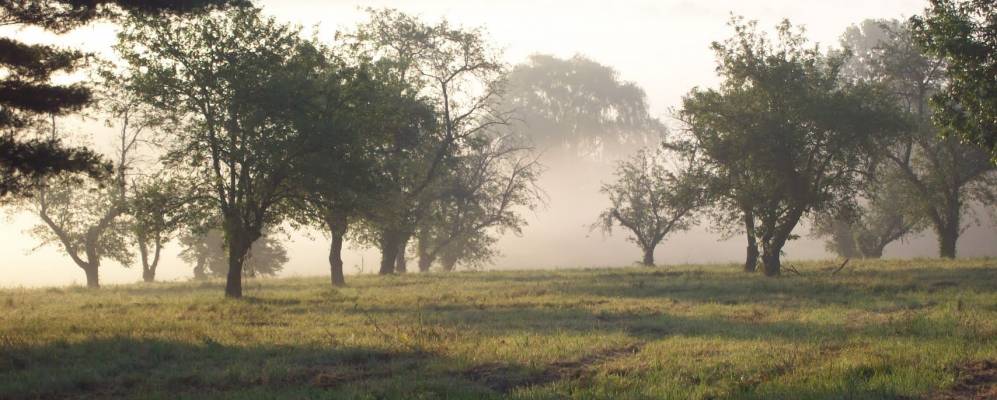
961	34
461	77
158	210
155	204
940	177
481	196
26	90
236	82
886	212
206	250
650	201
84	216
579	104
785	117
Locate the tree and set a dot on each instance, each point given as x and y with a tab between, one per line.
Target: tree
462	78
579	104
82	215
236	81
650	201
479	197
939	176
26	90
785	117
158	209
886	212
155	204
961	33
206	250
345	183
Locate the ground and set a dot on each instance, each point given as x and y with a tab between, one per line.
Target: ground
889	329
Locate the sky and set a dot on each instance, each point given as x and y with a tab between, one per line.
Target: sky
661	45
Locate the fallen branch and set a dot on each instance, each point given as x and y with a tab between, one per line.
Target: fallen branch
841	267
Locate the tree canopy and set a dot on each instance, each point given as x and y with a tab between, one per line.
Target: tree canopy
580	104
963	34
27	92
785	117
650	201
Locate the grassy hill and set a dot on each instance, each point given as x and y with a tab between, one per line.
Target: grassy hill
912	329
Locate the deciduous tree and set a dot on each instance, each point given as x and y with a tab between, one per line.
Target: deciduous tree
785	117
650	201
237	82
962	34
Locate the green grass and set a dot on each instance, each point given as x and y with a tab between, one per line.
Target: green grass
885	329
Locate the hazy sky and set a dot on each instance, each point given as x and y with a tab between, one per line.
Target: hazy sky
661	45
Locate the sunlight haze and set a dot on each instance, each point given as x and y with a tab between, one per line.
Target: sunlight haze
663	46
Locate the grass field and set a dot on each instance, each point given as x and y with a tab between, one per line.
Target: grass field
890	329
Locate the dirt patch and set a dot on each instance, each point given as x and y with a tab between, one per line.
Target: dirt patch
506	378
356	368
975	380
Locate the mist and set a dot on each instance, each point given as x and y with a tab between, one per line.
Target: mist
666	53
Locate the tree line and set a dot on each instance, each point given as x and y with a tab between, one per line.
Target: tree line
873	142
416	139
392	136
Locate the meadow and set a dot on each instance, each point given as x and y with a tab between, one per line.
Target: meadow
873	330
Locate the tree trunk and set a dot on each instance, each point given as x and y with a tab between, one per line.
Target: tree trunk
401	264
238	247
337	225
202	264
336	260
648	260
425	263
449	263
947	238
845	242
948	230
425	259
770	262
751	258
148	265
390	241
93	277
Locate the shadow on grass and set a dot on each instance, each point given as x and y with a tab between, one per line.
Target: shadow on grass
848	288
125	367
155	368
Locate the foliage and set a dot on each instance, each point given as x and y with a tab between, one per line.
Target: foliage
784	130
342	184
206	251
454	71
937	178
885	212
27	92
579	104
650	201
240	117
158	209
82	217
483	195
962	34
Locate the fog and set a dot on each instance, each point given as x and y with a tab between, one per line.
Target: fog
663	46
